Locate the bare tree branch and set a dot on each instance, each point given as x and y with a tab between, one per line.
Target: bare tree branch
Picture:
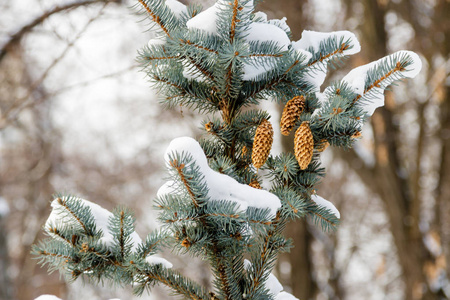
17	37
26	101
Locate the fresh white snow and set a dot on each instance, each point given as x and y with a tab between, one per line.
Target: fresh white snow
206	20
261	16
316	75
280	23
156	260
263	32
221	186
285	296
356	78
272	284
158	41
252	71
305	53
326	204
176	7
59	216
47	297
312	39
167	188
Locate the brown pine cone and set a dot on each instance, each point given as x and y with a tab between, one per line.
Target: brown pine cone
255	184
262	143
303	145
322	146
291	113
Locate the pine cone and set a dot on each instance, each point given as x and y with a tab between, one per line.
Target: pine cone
323	145
291	113
255	184
262	143
303	145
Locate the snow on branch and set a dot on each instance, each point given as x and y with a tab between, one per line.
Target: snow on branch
323	48
156	260
272	284
327	45
76	212
178	8
221	186
369	81
326	204
206	20
324	212
47	297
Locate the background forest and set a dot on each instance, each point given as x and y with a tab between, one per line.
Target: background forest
76	115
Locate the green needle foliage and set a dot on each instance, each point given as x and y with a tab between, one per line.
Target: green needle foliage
224	70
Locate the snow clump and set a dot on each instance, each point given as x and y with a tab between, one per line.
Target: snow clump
326	204
156	260
357	77
221	186
60	217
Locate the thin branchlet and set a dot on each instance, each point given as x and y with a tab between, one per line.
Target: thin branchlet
179	167
399	67
188	42
154	16
341	50
77	218
234	20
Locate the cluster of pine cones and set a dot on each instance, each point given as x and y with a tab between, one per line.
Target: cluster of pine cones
303	139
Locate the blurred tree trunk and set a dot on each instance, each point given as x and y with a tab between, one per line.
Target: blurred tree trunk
5	285
302	281
400	192
442	25
25	176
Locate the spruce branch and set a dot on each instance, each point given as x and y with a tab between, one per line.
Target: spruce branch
198	46
153	243
330	49
323	216
234	19
227	270
388	74
147	5
270	85
179	168
56	232
179	284
150	57
81	214
264	260
208	74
